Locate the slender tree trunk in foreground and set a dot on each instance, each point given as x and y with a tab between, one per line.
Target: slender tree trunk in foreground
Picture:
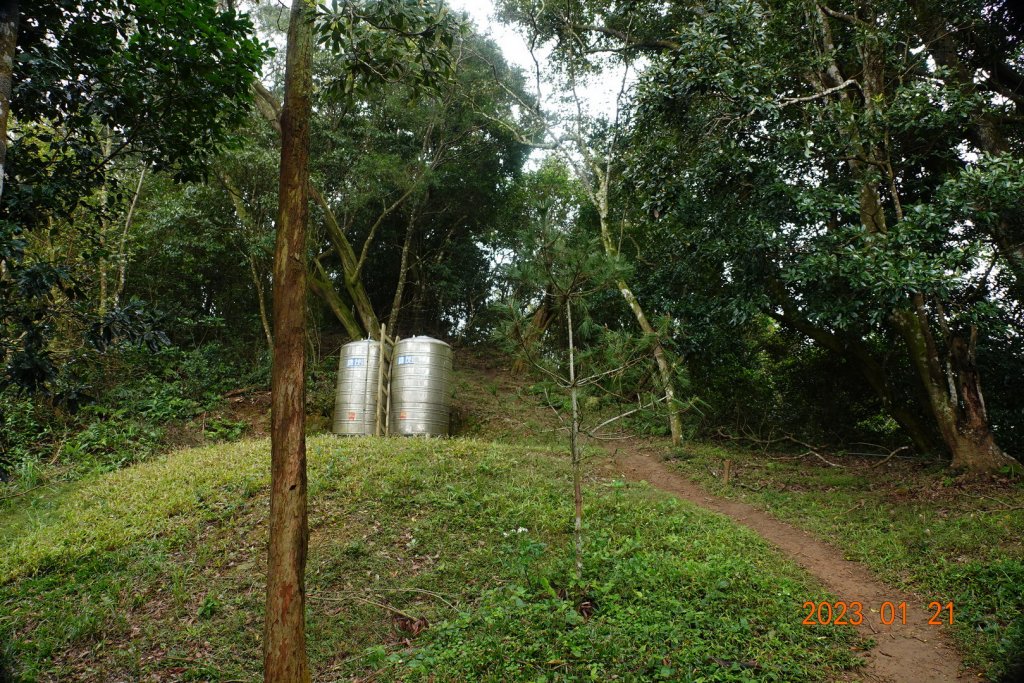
284	632
9	10
574	447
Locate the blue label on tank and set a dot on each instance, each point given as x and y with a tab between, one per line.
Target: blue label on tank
355	362
406	360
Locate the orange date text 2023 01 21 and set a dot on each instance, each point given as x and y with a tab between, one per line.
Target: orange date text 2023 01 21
842	613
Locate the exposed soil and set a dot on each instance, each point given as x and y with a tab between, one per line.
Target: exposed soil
904	653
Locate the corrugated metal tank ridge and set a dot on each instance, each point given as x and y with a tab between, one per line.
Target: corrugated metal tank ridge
355	400
421	387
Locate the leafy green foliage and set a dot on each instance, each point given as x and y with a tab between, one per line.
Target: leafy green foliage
389	41
832	178
161	84
124	409
172	80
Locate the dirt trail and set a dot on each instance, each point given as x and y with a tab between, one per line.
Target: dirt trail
904	653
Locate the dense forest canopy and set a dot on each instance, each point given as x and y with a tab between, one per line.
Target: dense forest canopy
805	215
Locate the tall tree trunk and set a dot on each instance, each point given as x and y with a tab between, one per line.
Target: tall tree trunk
403	273
122	251
9	11
665	373
284	633
957	409
599	197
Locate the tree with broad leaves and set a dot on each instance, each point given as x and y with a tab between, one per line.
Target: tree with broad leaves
848	166
81	87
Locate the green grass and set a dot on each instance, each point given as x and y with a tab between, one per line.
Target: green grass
156	572
918	528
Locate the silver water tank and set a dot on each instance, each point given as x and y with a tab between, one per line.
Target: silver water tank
421	387
355	401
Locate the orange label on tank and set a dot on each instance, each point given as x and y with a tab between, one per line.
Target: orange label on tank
351	414
403	416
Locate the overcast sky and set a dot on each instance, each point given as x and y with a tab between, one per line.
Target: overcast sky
598	96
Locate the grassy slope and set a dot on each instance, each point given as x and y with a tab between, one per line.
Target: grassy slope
155	573
945	539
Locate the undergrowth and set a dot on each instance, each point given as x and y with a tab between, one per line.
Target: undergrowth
135	404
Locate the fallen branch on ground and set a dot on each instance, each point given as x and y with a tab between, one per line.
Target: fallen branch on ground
21	493
1006	507
243	391
811	450
890	456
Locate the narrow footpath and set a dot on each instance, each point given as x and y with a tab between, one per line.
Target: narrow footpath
911	653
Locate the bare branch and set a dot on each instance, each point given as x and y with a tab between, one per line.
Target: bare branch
629	40
824	93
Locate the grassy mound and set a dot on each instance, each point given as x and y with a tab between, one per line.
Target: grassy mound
429	560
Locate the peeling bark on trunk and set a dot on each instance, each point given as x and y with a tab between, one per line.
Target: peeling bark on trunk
284	634
961	419
9	11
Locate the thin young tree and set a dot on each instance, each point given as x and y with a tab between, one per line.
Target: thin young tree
567	265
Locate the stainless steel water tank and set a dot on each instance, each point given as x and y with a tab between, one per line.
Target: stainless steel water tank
355	401
421	387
